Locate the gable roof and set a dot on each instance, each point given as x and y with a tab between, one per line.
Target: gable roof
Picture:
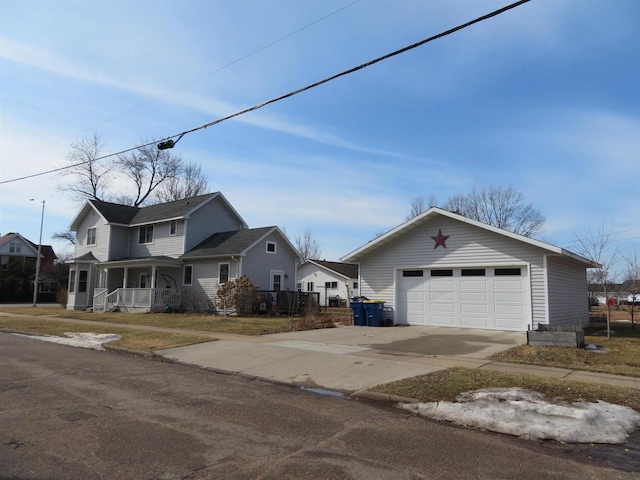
235	242
118	214
46	251
434	212
348	270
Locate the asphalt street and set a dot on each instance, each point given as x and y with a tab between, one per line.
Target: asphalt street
68	413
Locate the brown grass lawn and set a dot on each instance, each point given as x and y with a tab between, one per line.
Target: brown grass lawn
199	322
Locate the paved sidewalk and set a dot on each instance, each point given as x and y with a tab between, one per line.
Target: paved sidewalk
349	359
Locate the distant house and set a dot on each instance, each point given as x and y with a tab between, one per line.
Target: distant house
18	261
335	282
440	268
172	254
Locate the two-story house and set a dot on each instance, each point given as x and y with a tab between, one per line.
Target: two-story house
171	254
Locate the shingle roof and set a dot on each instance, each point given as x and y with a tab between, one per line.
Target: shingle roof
349	270
127	215
227	243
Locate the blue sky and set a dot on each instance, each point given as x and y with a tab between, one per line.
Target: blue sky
545	98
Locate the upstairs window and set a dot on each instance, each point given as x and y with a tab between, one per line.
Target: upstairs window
146	234
15	247
271	247
91	236
173	228
223	273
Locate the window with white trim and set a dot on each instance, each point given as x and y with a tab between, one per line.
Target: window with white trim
72	281
173	228
83	280
15	247
309	286
223	273
272	247
187	278
145	234
91	236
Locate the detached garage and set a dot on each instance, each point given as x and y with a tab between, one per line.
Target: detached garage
443	269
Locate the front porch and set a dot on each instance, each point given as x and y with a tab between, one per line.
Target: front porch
138	285
136	300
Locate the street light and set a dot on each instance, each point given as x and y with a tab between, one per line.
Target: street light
35	283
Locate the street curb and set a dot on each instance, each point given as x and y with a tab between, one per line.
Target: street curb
128	351
385	398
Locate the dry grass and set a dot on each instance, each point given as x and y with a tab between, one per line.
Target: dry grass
446	385
142	340
623	357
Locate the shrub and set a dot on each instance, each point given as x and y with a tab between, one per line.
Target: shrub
239	295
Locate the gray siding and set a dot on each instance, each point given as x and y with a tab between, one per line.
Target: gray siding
567	290
101	249
202	294
163	242
466	245
211	218
257	264
119	244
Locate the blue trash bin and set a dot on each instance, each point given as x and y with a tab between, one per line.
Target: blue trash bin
373	312
359	316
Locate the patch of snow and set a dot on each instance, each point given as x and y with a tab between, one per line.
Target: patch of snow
78	339
526	414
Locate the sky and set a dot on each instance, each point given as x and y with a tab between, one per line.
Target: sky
544	97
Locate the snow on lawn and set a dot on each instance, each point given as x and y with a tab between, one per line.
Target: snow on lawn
528	415
78	339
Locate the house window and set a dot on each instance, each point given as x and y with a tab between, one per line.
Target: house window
413	273
355	285
442	273
72	281
277	277
271	247
83	277
173	228
299	287
91	236
330	284
4	264
472	272
15	247
309	286
144	281
146	234
223	273
188	275
508	272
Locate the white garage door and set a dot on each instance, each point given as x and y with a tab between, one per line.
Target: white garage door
493	298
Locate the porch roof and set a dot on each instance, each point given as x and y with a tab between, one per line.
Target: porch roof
157	261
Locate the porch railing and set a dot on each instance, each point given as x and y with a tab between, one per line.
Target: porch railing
139	298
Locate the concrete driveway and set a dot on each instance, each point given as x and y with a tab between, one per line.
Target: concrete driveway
348	358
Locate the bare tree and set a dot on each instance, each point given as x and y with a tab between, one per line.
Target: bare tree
598	249
307	245
632	282
419	204
86	177
501	207
66	235
147	167
188	183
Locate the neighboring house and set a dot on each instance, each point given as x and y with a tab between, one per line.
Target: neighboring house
18	260
172	254
335	282
440	268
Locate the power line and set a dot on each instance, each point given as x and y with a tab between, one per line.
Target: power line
294	92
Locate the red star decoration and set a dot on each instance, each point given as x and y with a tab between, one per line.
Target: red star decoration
440	239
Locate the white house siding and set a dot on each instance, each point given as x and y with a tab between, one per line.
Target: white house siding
212	218
319	276
82	300
257	263
101	249
163	243
567	291
467	245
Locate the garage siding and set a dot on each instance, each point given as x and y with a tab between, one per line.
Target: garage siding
467	245
568	295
